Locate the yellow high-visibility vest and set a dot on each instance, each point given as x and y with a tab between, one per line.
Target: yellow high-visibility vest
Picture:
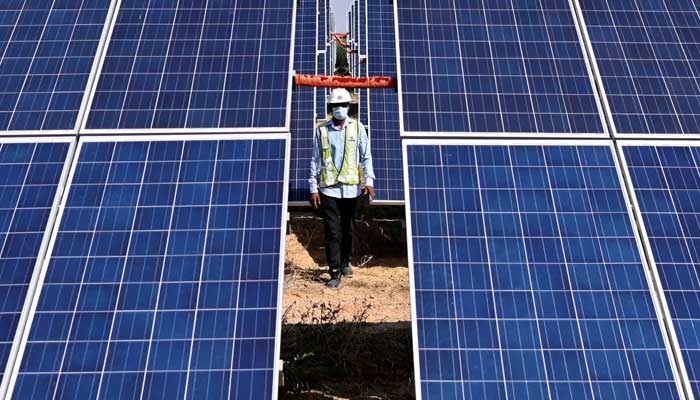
349	172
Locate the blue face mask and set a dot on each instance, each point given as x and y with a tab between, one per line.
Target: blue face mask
340	113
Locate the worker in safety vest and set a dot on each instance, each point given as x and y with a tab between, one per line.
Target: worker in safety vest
340	146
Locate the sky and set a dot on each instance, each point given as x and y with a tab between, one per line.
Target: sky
341	9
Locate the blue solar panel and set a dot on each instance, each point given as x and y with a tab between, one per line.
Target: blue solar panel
303	102
30	175
321	31
647	56
362	26
383	106
327	47
527	276
362	51
197	64
494	67
47	51
164	277
321	40
666	184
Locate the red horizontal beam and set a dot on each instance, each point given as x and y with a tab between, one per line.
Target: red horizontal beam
376	82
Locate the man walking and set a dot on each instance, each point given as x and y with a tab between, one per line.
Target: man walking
340	146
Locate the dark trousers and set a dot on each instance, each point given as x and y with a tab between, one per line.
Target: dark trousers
338	217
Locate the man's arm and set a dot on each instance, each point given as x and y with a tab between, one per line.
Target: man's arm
314	198
366	160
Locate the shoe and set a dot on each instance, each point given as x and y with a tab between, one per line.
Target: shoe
346	270
335	281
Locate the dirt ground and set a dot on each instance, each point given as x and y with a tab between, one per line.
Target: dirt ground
382	286
353	342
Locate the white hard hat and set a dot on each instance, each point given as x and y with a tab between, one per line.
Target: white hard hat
340	95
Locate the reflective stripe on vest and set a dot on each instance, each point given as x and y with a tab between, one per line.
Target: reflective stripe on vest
349	172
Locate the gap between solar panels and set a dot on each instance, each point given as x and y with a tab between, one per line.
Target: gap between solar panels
664	181
33	172
371	83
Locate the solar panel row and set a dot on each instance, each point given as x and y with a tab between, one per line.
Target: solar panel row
195	65
47	54
529	279
362	45
321	68
303	101
493	68
565	307
383	108
330	67
31	175
163	272
163	275
647	58
666	182
484	68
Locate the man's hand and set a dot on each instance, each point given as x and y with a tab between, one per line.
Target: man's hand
370	190
314	200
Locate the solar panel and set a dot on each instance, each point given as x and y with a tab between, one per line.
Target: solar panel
327	46
484	68
362	32
362	51
31	173
163	279
196	65
666	181
383	109
646	56
303	102
527	276
47	53
321	26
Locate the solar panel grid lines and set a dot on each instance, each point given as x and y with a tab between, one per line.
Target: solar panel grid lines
364	44
303	102
197	67
327	47
48	59
382	107
33	176
644	58
182	299
320	101
494	69
321	25
663	178
565	310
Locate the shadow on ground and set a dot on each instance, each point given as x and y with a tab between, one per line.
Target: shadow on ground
351	360
379	234
331	351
